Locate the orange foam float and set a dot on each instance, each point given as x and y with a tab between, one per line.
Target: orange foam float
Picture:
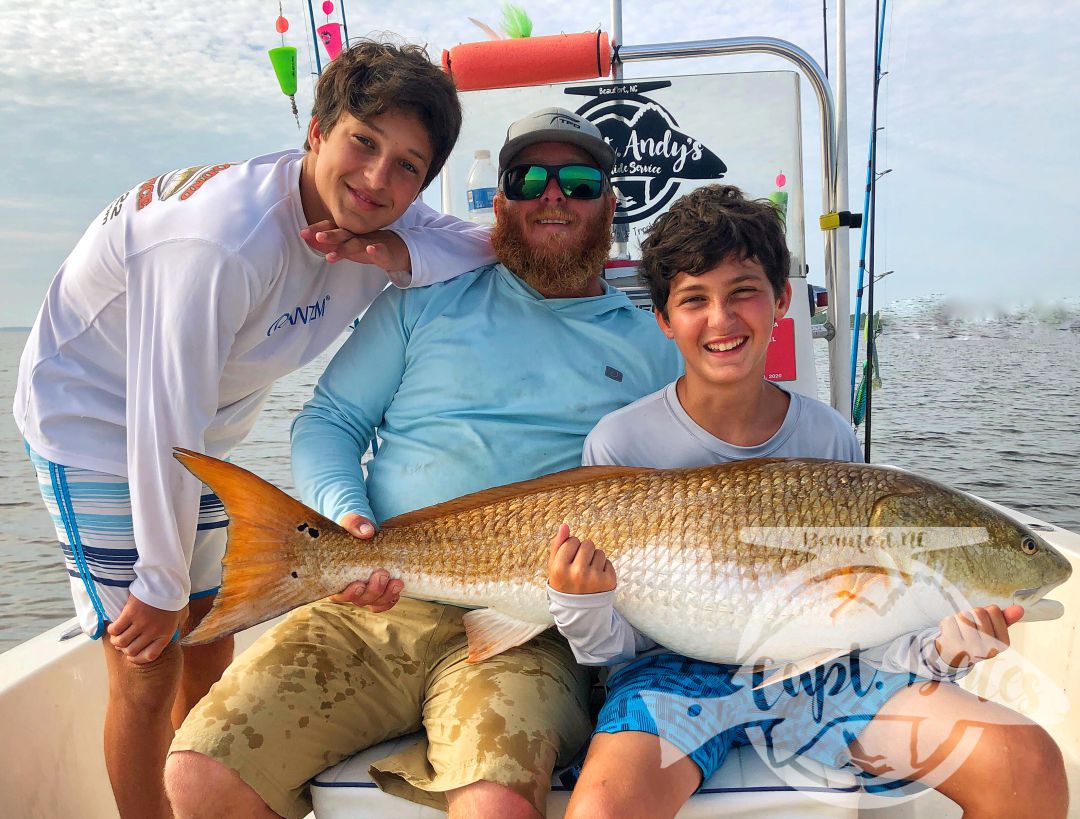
529	61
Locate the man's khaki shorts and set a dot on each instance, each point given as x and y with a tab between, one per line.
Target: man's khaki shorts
333	679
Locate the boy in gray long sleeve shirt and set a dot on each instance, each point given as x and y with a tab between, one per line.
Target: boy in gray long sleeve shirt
717	268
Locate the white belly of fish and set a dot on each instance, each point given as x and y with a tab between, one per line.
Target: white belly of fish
733	614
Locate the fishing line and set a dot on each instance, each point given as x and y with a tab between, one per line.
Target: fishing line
292	97
344	22
313	76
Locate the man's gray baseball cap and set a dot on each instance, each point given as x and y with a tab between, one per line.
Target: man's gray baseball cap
555	125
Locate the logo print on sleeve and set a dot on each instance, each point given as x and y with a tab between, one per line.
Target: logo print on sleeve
301	315
188	180
146	193
202	179
114	208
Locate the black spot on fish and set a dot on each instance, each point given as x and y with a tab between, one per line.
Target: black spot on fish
313	532
294	574
301	527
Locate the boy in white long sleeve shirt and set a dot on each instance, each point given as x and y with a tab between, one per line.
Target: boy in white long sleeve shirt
168	324
717	269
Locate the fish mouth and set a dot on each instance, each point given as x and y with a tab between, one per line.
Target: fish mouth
1045	609
1036	606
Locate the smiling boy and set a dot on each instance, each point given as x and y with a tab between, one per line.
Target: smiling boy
168	324
717	269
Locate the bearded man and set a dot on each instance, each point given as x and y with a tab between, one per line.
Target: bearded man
492	378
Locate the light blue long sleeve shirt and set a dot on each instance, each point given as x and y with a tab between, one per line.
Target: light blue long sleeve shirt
473	383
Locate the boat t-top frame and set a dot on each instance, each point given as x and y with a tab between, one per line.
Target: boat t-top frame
833	138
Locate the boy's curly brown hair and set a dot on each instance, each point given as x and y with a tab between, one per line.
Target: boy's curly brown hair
706	227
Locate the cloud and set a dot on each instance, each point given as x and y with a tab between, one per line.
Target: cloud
99	96
39	235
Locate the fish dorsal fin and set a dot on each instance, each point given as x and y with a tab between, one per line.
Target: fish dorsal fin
789	670
557	480
490	632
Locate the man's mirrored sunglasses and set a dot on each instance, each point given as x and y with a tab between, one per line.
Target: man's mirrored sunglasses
530	181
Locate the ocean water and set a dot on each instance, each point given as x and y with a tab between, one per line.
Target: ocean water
35	595
981	398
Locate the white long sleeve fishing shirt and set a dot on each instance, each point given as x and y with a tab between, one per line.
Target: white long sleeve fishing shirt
170	320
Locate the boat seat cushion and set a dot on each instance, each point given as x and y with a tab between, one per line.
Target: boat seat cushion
745	786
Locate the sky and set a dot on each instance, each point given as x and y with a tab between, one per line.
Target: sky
981	127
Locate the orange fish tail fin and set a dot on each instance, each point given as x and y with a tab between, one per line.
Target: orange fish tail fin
270	564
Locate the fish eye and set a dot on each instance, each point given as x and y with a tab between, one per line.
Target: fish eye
1028	545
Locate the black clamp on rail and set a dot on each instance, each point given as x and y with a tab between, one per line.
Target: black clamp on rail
844	218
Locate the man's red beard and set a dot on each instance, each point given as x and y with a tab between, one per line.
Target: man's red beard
556	266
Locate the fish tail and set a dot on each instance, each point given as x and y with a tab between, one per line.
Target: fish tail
271	545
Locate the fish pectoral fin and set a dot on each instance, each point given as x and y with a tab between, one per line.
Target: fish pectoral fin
789	670
491	632
867	586
858	588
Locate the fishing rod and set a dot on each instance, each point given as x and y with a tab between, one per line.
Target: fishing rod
870	182
869	193
879	32
314	37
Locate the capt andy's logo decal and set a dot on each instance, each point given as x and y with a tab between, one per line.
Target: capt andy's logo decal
652	155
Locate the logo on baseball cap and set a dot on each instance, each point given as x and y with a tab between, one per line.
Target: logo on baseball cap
556	125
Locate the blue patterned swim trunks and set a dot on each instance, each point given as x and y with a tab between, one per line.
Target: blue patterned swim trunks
705	709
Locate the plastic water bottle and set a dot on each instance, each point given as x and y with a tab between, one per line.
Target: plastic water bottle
481	189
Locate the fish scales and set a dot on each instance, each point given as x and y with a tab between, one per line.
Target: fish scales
689	523
709	560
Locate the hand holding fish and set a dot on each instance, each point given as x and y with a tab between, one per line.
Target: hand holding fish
378	593
577	566
357	526
971	636
383	248
142	632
